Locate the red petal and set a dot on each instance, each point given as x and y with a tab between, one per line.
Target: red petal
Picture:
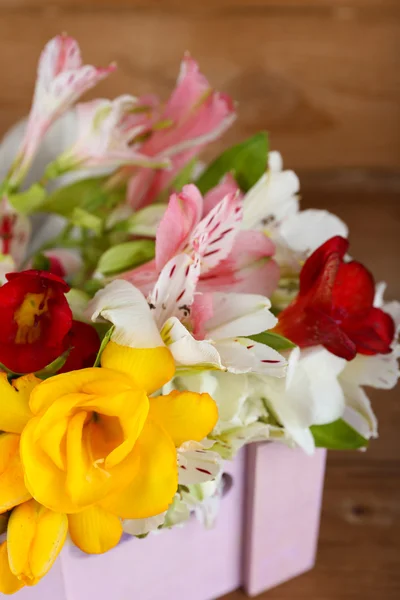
28	358
330	335
85	345
46	278
353	291
372	333
331	252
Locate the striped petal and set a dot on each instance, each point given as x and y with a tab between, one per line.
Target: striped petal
95	530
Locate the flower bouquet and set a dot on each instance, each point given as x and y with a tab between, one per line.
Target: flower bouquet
157	315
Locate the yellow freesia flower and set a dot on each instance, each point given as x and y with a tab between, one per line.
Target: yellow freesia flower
14	414
35	536
99	449
9	583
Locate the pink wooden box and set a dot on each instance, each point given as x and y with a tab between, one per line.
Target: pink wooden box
266	532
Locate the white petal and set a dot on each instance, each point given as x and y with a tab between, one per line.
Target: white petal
379	371
143	526
275	162
174	291
307	230
239	315
219	229
186	350
358	412
124	306
322	370
272	199
197	465
241	355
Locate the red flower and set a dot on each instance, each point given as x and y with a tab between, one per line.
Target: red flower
34	319
36	324
334	306
84	343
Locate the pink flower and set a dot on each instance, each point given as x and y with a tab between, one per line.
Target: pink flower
61	80
230	259
107	130
194	116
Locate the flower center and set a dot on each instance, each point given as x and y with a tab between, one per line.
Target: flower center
27	317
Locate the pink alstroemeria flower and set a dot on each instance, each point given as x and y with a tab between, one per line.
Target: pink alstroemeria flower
107	131
231	259
194	115
61	80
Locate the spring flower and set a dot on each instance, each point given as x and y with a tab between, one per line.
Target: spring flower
98	442
14	415
9	583
106	135
194	115
35	320
35	537
231	260
37	324
220	323
61	80
335	306
272	206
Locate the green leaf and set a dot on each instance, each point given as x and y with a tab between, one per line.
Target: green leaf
85	219
126	256
104	343
144	222
88	194
30	200
246	161
273	340
337	436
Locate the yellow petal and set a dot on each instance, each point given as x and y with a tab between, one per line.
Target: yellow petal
9	584
155	483
95	530
43	479
50	536
74	382
149	368
21	531
12	486
185	415
14	402
35	537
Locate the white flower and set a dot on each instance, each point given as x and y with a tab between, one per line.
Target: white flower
310	394
272	205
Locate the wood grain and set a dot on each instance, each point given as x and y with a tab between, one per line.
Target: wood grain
323	80
359	549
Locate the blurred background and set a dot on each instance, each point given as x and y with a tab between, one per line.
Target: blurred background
323	78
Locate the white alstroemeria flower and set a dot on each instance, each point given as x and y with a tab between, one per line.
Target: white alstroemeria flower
225	321
61	80
272	205
379	371
310	394
105	136
196	463
240	409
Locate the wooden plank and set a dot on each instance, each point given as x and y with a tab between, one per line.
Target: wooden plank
326	87
212	5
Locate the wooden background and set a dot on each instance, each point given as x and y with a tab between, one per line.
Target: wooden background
323	77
